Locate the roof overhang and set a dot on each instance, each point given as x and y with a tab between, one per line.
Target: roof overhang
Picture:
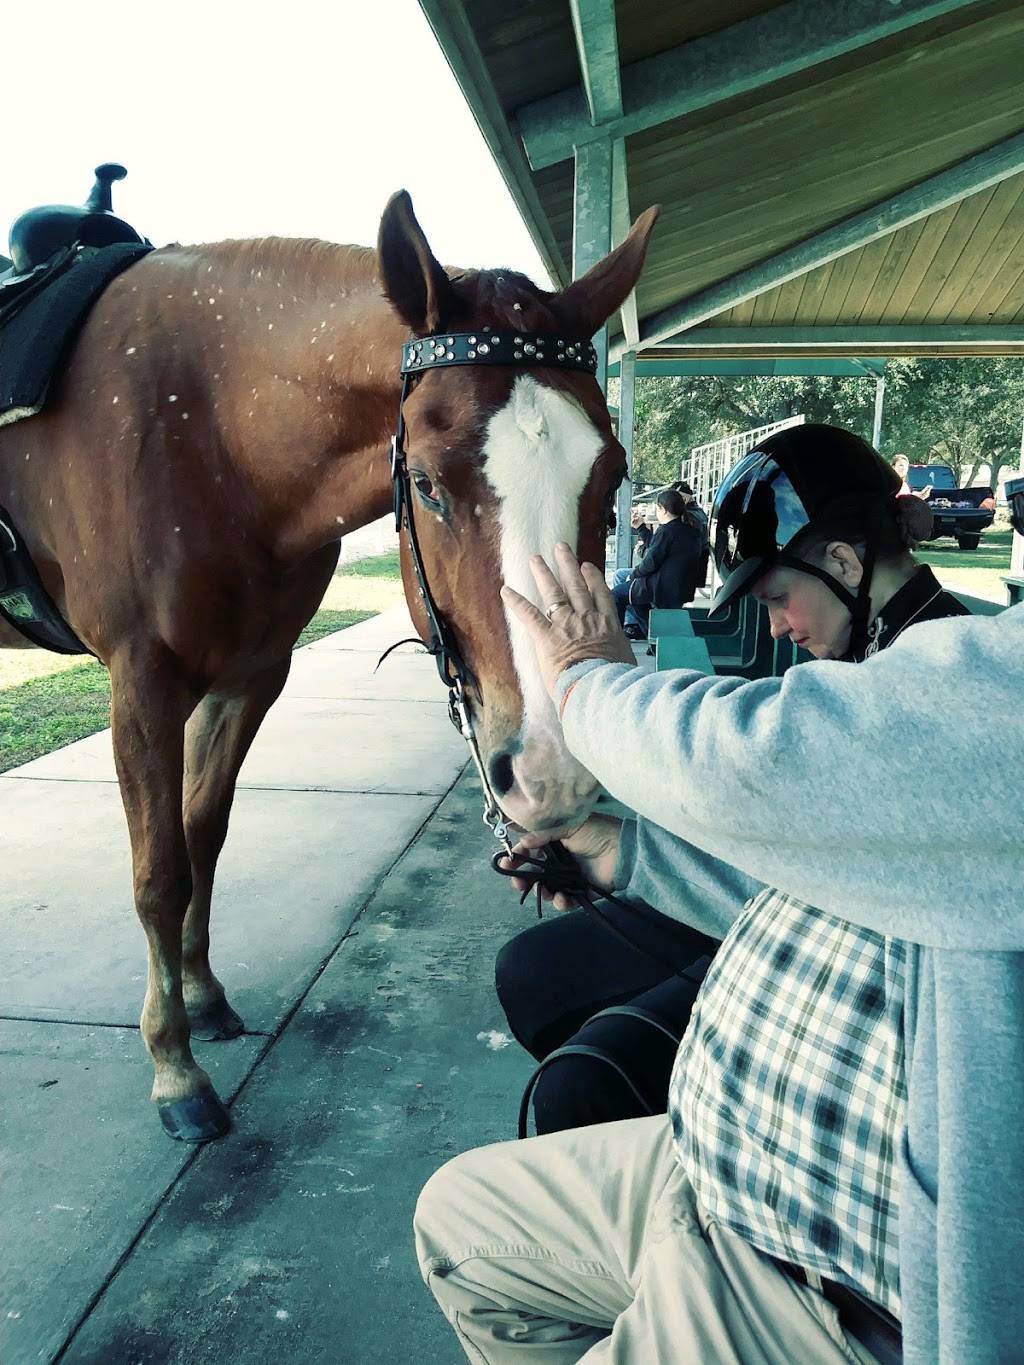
837	180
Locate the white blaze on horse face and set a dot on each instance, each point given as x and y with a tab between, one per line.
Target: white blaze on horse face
539	455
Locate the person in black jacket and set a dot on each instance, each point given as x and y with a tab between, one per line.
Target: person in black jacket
668	574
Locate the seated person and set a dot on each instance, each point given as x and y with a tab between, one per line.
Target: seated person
644	534
554	976
667	574
694	510
766	1222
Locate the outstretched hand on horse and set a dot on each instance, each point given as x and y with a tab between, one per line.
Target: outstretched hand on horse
579	620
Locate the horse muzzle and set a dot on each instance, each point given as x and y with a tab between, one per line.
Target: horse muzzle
542	790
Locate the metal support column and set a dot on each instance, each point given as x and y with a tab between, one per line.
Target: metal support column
627	410
592	225
876	429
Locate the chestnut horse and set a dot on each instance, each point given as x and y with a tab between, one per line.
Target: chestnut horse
223	419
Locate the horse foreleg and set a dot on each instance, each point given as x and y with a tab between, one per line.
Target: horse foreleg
217	739
149	707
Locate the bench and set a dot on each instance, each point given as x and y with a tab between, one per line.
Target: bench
664	621
682	651
1014	588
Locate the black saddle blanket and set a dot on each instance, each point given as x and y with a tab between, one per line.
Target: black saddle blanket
42	322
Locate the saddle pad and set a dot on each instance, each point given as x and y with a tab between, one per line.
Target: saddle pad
36	337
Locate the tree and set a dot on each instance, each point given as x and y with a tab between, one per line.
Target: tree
966	413
674	415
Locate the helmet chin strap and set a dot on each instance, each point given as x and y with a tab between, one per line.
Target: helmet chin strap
858	604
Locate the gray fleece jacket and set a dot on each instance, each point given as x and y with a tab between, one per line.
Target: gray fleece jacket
890	794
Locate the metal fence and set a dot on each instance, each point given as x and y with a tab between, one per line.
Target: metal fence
707	466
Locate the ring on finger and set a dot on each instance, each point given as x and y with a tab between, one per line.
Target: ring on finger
552	607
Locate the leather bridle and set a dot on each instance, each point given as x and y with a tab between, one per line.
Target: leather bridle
521	351
552	867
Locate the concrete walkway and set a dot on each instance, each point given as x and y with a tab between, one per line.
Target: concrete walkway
355	928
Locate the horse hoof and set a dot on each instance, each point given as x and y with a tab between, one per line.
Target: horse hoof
215	1023
199	1118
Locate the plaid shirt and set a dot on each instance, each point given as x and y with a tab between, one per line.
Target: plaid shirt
788	1092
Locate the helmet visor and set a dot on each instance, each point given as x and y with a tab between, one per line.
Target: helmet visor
757	513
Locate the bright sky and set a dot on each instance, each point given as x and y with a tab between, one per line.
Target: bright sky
235	119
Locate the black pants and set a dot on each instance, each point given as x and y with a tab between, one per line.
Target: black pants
554	977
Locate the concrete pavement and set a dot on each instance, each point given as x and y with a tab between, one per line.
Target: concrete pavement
355	927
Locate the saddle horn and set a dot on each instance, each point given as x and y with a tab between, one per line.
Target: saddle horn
40	233
100	199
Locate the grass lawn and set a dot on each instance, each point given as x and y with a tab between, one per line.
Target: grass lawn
49	700
978	572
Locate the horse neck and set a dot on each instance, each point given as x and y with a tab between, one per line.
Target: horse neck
312	390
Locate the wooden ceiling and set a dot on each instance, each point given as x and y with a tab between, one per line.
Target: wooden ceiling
747	178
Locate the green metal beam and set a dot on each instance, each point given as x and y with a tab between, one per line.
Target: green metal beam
852	369
621	219
969	177
592	224
597	44
747	56
799	340
623	498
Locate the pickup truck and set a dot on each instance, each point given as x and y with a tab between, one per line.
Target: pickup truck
960	512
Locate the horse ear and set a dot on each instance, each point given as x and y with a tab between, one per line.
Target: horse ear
592	299
411	277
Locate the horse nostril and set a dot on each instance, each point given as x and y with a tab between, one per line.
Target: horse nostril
502	776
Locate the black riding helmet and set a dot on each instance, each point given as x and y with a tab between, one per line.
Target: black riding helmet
790	482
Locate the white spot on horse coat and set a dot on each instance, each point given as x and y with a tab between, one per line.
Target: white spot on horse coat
130	351
172	398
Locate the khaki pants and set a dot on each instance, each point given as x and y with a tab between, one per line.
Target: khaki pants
589	1245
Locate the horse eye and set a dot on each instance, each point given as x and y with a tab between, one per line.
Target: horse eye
424	487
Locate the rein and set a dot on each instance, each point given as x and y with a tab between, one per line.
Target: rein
522	351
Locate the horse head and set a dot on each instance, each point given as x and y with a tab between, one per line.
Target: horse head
504	462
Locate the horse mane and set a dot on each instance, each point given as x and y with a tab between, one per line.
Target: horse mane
500	298
345	265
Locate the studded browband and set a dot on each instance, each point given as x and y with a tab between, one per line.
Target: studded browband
498	348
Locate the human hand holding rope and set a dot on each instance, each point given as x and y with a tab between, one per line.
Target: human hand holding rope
535	861
579	620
